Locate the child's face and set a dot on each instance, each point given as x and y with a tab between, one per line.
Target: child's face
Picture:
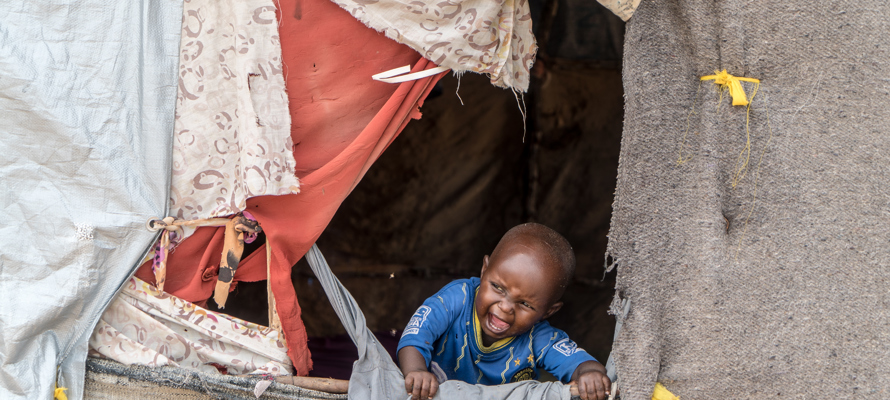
516	292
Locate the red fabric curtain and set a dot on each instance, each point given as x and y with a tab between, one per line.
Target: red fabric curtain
341	122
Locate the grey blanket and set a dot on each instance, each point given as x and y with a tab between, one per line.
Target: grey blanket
782	295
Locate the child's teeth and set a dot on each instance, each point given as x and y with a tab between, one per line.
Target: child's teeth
498	324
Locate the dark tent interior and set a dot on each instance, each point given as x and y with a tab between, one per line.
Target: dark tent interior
441	196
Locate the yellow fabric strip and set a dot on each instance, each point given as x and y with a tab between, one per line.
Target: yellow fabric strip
59	393
733	84
442	350
462	350
161	270
507	367
661	393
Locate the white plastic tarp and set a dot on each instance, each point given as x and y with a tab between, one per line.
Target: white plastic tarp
87	94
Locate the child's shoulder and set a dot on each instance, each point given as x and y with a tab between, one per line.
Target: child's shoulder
456	294
463	286
545	337
543	334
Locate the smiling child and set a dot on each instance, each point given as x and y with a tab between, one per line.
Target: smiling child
492	330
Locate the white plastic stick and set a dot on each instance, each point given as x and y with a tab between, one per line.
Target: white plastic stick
401	74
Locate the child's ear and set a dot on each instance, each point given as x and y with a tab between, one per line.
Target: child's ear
553	309
484	264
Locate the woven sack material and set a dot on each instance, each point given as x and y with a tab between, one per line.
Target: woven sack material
107	379
782	295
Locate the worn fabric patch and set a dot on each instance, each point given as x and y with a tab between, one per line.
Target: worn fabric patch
624	9
147	327
488	37
232	131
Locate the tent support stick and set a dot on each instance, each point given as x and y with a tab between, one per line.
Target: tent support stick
338	386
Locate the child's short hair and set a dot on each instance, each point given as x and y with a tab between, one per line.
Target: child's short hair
556	246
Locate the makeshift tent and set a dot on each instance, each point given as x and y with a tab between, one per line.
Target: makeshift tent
138	190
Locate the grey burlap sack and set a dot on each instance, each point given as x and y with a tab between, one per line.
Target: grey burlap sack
782	295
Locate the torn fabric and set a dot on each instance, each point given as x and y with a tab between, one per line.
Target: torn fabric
87	97
232	134
147	327
483	36
343	121
624	9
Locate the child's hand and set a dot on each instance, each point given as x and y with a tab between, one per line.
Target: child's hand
591	380
421	385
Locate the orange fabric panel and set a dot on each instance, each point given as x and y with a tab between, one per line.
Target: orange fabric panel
192	268
329	58
294	222
342	122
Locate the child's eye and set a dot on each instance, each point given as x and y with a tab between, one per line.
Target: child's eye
525	304
497	287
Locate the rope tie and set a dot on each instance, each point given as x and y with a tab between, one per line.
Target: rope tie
241	228
733	84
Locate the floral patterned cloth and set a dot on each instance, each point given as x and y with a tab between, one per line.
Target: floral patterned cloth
484	36
622	8
232	129
148	327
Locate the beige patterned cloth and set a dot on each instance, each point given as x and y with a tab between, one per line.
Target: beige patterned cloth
622	8
232	129
147	327
484	36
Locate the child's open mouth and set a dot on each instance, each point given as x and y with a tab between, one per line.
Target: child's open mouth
497	325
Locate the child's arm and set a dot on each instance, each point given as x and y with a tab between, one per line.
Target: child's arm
420	383
561	356
427	325
592	381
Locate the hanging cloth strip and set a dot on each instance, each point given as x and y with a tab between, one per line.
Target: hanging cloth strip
233	248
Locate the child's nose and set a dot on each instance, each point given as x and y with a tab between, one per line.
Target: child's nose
506	306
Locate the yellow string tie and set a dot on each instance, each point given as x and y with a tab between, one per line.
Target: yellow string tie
733	84
59	393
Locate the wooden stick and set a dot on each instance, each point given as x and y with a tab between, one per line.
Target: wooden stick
337	386
340	386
